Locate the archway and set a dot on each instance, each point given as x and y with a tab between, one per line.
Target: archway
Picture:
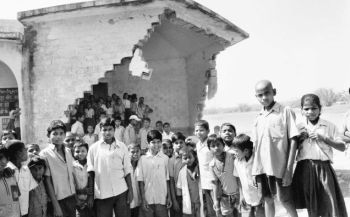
8	98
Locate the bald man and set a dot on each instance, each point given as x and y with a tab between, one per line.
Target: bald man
274	137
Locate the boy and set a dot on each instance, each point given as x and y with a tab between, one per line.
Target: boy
167	148
250	198
159	126
6	136
17	155
166	131
227	133
109	168
119	129
81	178
143	134
33	150
58	176
274	134
153	177
135	153
225	188
9	200
175	165
37	196
69	141
130	134
205	156
78	127
97	132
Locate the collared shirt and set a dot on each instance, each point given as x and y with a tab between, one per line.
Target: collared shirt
78	129
271	133
111	164
90	139
224	173
38	201
243	170
80	175
119	133
143	136
9	199
60	170
129	135
314	149
175	165
153	171
167	135
26	183
205	156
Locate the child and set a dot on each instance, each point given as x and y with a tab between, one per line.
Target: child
153	177
119	109
315	183
130	134
205	156
274	134
135	153
33	150
189	184
109	168
89	116
127	109
9	191
81	178
119	129
167	134
167	148
217	130
69	141
146	123
58	176
250	197
37	196
90	138
175	164
17	155
227	133
6	136
78	127
225	188
97	127
159	126
109	110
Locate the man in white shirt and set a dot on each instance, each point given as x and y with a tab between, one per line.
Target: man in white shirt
109	171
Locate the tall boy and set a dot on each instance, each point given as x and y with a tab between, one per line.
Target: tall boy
205	156
275	144
153	176
109	168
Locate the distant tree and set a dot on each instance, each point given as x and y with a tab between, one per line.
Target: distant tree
244	107
327	96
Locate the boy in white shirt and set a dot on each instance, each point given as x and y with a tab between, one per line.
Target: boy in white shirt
78	127
135	153
143	134
167	134
153	176
119	129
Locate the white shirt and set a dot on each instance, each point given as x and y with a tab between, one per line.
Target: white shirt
26	183
153	171
119	133
243	170
167	135
111	163
205	156
90	139
78	129
143	135
80	175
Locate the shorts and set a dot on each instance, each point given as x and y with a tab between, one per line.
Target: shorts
272	187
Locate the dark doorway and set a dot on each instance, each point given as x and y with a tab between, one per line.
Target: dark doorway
100	90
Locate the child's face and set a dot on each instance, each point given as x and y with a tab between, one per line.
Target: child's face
178	145
227	133
82	118
22	155
188	159
37	171
134	153
117	123
69	140
216	130
239	154
166	128
6	138
201	132
80	153
265	95
107	132
154	145
146	124
168	149
90	129
159	127
57	136
311	111
3	162
33	150
133	122
217	148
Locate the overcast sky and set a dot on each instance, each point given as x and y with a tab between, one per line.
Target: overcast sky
299	45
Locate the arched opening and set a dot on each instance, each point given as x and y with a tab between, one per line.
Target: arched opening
9	100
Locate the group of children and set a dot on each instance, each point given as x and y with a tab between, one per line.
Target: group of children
166	174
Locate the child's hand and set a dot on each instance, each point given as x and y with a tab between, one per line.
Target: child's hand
242	203
168	202
317	136
287	178
303	136
130	196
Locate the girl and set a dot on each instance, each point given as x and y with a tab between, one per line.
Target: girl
189	183
315	184
90	138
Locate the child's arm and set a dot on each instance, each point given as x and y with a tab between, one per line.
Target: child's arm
173	194
91	187
143	197
130	190
51	192
216	198
339	145
288	173
168	196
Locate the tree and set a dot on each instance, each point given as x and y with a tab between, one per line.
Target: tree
327	96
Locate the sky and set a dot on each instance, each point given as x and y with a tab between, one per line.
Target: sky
299	45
